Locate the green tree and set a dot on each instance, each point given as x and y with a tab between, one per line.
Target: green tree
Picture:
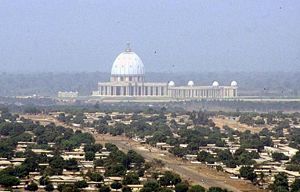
126	189
104	189
32	161
165	190
280	183
81	184
181	187
146	189
98	162
8	180
49	187
224	155
67	188
216	189
170	178
89	155
32	187
196	188
134	157
95	176
71	165
177	151
296	158
293	167
61	117
151	186
248	173
93	147
57	164
280	189
111	147
44	180
295	187
116	185
131	178
204	156
115	170
279	156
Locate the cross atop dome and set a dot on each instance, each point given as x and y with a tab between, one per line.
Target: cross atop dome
128	49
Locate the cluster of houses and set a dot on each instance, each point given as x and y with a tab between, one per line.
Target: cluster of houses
126	118
264	165
67	177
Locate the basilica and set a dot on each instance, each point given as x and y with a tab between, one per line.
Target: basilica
128	80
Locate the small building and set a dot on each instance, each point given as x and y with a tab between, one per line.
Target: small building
67	94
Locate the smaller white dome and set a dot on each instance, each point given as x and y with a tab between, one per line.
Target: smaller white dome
215	84
233	83
171	84
191	83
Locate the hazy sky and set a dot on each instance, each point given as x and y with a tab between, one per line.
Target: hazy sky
200	35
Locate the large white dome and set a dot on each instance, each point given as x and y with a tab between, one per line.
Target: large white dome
128	63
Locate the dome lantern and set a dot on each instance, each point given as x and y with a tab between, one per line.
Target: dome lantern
128	49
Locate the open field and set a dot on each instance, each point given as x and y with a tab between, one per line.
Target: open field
220	122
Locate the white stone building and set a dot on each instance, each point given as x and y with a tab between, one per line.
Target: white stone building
128	80
67	94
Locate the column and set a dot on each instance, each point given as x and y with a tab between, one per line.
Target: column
134	90
122	91
109	90
100	90
114	90
127	90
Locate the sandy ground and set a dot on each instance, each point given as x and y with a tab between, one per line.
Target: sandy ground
220	122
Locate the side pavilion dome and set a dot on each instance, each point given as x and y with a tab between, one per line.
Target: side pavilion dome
215	84
128	63
233	84
171	84
191	83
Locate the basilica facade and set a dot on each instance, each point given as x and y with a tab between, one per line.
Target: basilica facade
128	80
